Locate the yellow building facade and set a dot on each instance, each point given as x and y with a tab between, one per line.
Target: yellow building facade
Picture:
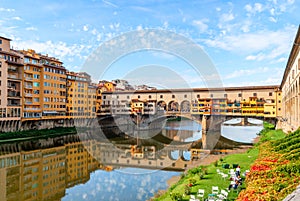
44	87
81	95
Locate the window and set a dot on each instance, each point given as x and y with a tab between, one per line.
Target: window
26	60
0	41
0	64
185	96
150	96
254	94
161	96
139	96
225	95
270	93
293	74
127	97
211	95
173	96
240	95
279	101
198	95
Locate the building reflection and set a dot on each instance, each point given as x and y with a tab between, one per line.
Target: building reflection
43	169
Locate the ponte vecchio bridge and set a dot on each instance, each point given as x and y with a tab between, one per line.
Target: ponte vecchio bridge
209	107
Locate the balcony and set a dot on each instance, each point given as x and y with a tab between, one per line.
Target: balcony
28	102
12	69
15	77
28	86
28	95
14	94
13	104
28	78
30	109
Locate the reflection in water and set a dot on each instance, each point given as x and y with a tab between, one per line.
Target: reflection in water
43	169
123	169
183	131
245	134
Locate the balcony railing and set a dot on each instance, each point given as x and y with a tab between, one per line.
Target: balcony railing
13	77
28	78
13	94
28	86
28	94
28	102
12	69
26	109
13	104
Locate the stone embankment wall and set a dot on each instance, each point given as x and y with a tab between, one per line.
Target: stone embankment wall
17	125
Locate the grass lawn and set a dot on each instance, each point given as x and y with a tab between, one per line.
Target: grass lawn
212	178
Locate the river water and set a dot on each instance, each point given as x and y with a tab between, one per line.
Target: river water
83	168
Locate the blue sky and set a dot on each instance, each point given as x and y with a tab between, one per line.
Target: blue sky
248	42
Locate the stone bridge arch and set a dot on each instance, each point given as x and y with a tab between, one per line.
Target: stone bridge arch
173	106
161	105
185	106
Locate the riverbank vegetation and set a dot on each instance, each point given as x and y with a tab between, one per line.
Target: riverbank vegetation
258	182
28	134
276	172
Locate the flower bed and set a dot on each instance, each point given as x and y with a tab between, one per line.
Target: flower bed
276	172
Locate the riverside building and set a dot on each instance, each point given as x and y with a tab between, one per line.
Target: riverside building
11	68
44	87
290	87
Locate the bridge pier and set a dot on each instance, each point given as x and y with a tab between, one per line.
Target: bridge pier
211	130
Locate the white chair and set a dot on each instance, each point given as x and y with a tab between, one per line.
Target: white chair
215	190
223	195
200	193
231	171
193	198
224	176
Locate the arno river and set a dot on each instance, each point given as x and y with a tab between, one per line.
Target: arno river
87	166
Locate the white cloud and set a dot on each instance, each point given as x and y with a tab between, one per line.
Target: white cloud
258	7
246	72
16	18
94	31
201	25
31	29
7	10
248	8
110	4
226	17
281	59
272	11
272	19
253	9
85	28
99	37
263	44
60	50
